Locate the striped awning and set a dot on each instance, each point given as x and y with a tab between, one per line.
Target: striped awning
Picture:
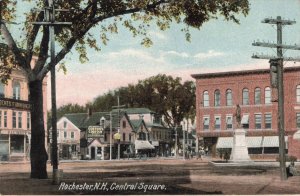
254	142
273	141
225	142
296	136
142	144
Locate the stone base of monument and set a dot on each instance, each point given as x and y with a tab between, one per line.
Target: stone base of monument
239	152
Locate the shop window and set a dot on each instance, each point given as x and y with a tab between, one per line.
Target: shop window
245	96
268	121
2	93
16	90
14	120
229	97
298	93
17	143
20	120
267	95
99	150
257	121
257	96
217	122
205	99
298	120
228	122
206	123
217	98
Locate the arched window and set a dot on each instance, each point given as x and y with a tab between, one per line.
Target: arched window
229	97
16	90
205	99
245	96
257	96
267	95
298	93
217	98
2	94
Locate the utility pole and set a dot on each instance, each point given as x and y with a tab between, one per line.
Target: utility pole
50	22
119	126
176	147
276	67
183	142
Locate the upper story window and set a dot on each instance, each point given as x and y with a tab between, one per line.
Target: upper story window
124	124
229	97
267	95
298	93
205	99
245	121
14	119
124	136
102	122
257	121
268	121
217	122
65	124
257	99
245	96
72	135
16	90
19	119
228	122
217	97
2	94
29	120
298	120
206	123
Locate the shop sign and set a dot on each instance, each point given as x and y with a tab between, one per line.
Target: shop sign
95	131
15	104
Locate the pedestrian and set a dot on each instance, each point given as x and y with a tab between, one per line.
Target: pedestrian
206	150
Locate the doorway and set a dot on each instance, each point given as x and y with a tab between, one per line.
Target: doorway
93	153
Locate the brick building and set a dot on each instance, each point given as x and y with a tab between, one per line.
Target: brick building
217	95
15	125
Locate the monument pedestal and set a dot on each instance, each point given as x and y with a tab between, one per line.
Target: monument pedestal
239	151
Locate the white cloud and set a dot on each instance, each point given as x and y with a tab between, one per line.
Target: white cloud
174	53
209	54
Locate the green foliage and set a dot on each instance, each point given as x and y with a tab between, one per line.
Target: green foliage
65	109
165	95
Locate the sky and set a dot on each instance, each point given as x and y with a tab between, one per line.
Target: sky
218	46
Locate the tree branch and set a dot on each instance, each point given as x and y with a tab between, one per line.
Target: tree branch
21	61
31	38
43	54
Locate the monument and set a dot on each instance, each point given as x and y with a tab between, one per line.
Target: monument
239	152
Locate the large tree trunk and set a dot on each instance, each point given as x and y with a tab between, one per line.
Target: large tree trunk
38	154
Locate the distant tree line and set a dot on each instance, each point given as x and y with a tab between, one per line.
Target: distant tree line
169	97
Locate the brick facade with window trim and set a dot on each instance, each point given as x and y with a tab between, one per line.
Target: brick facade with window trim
237	82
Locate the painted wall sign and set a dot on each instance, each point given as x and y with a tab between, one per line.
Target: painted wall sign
95	131
15	104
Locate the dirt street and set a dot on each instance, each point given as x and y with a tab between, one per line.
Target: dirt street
156	176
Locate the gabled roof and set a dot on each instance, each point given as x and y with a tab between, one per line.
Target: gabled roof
136	124
78	119
94	119
135	110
